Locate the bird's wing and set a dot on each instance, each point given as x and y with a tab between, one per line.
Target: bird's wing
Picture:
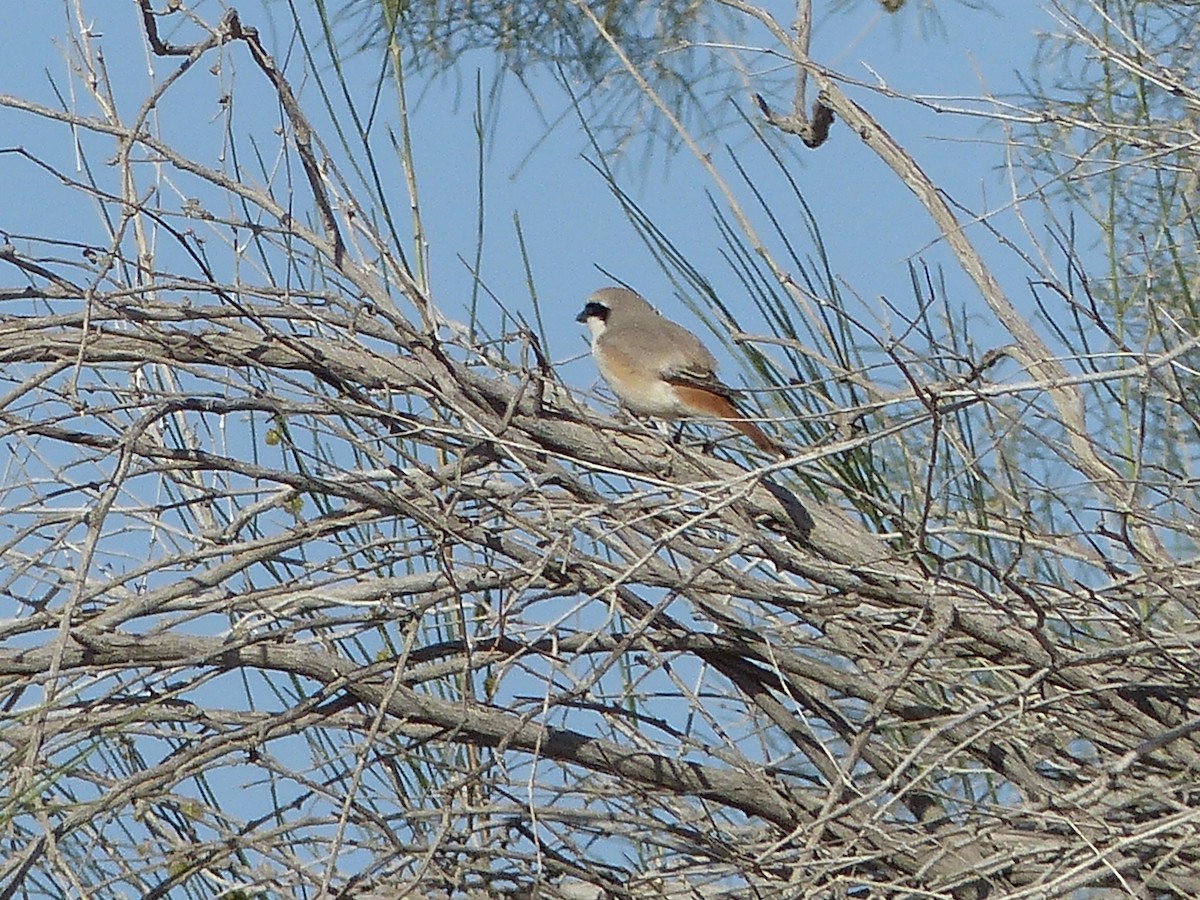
660	348
705	379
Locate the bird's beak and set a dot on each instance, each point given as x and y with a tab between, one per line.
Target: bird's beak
583	316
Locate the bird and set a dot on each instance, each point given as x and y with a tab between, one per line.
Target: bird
658	368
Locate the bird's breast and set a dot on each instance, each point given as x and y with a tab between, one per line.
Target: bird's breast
647	395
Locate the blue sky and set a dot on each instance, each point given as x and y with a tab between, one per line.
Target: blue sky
870	223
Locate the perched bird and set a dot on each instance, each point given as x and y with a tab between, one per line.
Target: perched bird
658	368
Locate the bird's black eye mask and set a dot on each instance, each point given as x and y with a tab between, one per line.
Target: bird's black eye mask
594	311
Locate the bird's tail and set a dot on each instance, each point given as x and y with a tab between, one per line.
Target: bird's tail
708	402
758	436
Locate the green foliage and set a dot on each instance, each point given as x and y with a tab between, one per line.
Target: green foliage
668	43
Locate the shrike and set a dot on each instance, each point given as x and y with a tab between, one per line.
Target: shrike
658	368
